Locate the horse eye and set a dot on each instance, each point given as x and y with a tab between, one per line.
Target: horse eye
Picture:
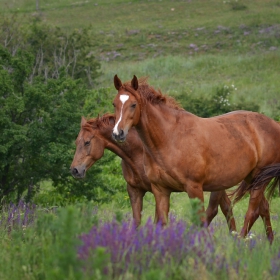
133	105
87	143
113	104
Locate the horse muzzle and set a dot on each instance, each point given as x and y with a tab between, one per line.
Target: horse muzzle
120	137
78	172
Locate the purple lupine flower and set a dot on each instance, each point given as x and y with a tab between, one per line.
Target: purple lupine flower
17	215
150	244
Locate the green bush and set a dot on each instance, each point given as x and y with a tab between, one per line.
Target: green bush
45	76
219	103
55	52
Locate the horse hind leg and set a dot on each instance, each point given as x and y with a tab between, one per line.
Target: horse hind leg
212	209
258	206
226	208
265	214
216	199
257	200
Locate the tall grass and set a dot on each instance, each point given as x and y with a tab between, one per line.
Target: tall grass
89	242
255	77
185	46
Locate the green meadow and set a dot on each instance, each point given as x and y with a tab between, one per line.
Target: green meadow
188	49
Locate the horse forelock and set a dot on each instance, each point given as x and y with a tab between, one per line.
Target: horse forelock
149	94
98	122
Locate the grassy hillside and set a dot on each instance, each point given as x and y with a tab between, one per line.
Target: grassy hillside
255	77
187	47
150	28
184	46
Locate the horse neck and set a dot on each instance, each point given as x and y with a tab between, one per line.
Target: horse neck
157	123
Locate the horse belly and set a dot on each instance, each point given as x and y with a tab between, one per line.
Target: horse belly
229	173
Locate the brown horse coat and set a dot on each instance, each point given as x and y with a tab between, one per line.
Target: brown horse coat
96	135
195	154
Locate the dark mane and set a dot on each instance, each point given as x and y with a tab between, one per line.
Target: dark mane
149	94
99	122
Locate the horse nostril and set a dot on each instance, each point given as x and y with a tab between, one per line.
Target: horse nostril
121	133
75	171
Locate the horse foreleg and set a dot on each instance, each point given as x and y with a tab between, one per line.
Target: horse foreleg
195	190
162	197
136	201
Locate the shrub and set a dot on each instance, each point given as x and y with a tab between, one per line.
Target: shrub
217	104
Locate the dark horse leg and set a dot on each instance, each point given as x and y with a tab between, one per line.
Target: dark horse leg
265	214
216	199
136	201
258	205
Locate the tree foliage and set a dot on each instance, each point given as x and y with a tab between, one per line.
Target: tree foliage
45	78
55	52
38	120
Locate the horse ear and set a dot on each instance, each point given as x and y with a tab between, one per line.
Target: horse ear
83	121
117	82
134	82
112	120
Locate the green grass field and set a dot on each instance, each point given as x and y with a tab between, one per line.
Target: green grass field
47	247
185	47
189	47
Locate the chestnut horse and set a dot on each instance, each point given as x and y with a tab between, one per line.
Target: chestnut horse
194	154
96	135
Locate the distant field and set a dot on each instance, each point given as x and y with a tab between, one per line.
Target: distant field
184	46
141	29
255	77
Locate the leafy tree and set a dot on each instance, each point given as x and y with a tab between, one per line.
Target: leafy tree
45	80
37	122
55	51
38	125
46	77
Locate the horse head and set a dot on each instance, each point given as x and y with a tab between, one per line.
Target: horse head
127	108
90	147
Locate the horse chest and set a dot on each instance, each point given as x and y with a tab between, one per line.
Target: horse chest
159	176
135	179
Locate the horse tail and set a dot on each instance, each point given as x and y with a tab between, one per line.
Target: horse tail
238	194
261	181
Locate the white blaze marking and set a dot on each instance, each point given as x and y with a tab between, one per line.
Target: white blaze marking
123	99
